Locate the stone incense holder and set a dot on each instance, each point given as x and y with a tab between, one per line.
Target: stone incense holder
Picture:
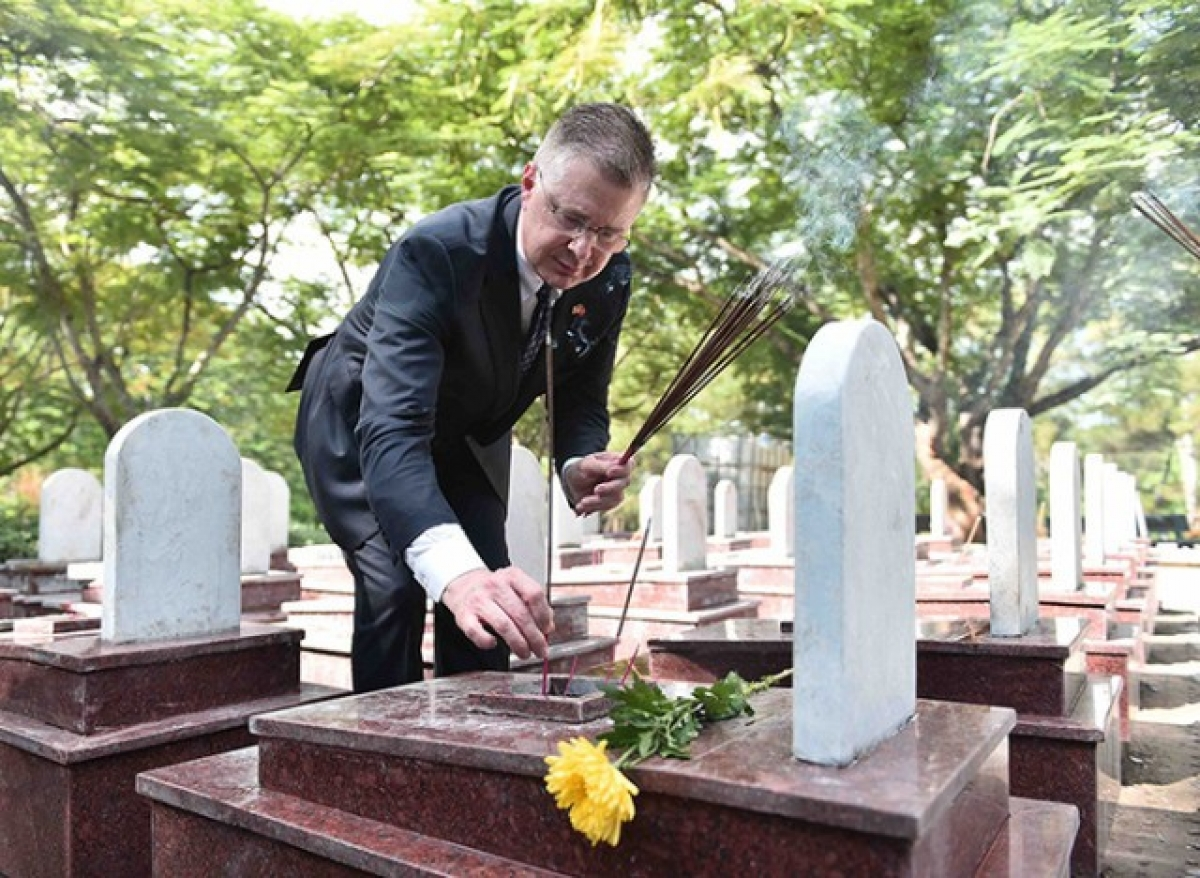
568	700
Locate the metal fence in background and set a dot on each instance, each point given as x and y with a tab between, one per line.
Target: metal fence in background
750	462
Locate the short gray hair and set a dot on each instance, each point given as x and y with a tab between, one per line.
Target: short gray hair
611	136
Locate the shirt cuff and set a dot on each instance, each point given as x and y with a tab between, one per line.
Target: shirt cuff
566	489
439	556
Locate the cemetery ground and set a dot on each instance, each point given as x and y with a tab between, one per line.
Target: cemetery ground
1156	830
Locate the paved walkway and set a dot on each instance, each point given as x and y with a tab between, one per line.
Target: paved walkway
1156	830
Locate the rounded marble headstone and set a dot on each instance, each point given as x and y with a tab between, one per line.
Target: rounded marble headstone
650	506
938	503
526	524
280	517
1093	508
1066	535
256	518
172	529
684	515
854	629
781	512
725	509
69	517
1011	491
566	524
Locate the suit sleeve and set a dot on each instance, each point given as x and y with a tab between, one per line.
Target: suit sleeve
401	374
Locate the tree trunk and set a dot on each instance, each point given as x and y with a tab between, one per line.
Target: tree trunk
964	503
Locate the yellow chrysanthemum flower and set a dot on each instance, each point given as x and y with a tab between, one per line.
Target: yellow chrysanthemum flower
599	797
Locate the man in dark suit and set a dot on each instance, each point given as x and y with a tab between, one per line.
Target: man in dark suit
404	424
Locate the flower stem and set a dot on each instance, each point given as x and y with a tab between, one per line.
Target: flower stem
767	682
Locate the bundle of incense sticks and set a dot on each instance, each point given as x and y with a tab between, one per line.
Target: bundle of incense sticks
1149	205
750	311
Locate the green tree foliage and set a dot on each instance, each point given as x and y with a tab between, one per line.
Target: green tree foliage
958	170
151	158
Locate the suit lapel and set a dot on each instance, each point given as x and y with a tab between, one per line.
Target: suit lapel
500	302
500	313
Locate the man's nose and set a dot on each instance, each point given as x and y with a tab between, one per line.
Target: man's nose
581	245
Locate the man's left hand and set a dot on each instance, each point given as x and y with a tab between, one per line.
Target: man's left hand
598	482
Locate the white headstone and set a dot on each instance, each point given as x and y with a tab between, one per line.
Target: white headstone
589	526
172	529
1185	448
1129	508
568	531
938	502
1116	509
1093	508
781	512
854	642
70	511
280	516
650	507
725	509
1011	494
526	525
1066	532
685	515
256	518
1142	529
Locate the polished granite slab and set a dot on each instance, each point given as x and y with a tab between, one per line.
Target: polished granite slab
687	591
83	684
205	808
80	718
1077	760
1066	743
930	799
957	659
1038	841
1038	672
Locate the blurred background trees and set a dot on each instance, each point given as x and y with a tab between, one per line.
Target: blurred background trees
188	191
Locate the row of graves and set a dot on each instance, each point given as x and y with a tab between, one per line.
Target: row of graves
917	736
170	671
65	580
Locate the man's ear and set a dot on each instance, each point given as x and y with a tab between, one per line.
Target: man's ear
528	178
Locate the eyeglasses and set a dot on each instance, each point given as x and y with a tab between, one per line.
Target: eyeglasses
570	223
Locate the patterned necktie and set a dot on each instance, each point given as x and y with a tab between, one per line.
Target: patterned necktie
537	328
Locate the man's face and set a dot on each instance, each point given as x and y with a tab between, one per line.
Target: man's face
573	220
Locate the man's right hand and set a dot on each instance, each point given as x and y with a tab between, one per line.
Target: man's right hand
507	601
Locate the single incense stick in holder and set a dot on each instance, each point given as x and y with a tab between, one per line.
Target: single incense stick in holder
1149	205
637	565
752	309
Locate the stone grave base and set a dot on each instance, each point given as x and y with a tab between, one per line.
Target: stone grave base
31	576
1075	759
1067	737
1095	603
1123	656
687	591
1039	672
263	594
376	783
643	626
79	719
28	606
617	549
767	577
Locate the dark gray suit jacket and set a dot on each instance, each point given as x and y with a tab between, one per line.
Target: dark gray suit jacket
406	410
